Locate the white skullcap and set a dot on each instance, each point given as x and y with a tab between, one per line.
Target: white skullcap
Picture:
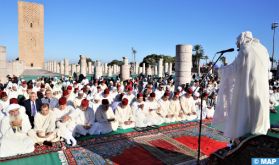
97	97
244	37
114	88
197	94
12	107
14	85
179	88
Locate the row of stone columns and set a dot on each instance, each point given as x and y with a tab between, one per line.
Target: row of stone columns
183	67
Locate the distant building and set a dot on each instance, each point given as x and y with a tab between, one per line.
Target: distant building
31	34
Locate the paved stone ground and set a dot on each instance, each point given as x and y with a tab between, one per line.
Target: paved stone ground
39	72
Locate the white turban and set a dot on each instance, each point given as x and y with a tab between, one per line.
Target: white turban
97	97
179	88
244	37
15	85
197	94
12	107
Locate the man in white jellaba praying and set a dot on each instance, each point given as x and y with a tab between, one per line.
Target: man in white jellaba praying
243	99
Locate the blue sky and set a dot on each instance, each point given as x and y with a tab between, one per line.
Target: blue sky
107	29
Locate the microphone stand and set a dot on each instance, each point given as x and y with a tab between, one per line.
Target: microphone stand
202	86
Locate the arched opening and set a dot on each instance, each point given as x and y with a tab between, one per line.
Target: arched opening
31	25
32	65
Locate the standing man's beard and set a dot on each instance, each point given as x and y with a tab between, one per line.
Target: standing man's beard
15	118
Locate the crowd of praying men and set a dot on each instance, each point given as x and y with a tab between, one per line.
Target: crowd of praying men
47	110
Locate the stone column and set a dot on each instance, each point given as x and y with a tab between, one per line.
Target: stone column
50	66
143	68
78	69
125	70
156	70
166	67
160	68
170	68
66	67
54	63
3	64
105	68
140	70
136	68
58	67
109	71
148	71
83	65
73	69
183	64
62	70
98	69
89	67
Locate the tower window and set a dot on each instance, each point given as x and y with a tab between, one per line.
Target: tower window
31	25
32	65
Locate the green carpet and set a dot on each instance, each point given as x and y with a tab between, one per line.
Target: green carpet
274	119
46	159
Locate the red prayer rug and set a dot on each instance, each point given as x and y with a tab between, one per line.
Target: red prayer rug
166	149
136	156
208	145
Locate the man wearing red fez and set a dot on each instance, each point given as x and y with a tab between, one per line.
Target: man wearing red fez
23	89
188	105
106	95
129	94
139	109
105	118
175	108
165	107
159	92
4	100
124	115
67	95
65	120
78	99
85	119
153	109
71	94
104	85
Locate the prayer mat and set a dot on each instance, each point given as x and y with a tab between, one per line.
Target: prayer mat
208	146
110	148
82	156
136	156
193	130
43	149
166	149
261	146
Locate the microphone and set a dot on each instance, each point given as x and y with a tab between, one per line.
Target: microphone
225	51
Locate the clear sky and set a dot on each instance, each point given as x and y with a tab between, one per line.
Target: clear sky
107	29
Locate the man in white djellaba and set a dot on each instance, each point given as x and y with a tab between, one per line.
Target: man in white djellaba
243	99
44	131
85	119
140	111
13	132
65	115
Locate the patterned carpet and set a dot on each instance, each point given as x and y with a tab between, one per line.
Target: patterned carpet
166	149
157	145
261	146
